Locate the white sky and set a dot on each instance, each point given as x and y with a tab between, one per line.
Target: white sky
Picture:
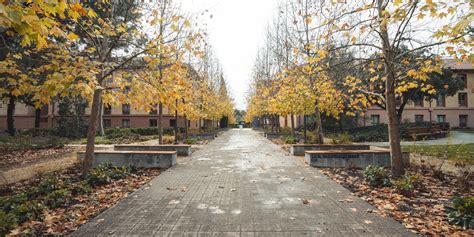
236	30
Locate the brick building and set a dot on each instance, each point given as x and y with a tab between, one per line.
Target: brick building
116	116
457	110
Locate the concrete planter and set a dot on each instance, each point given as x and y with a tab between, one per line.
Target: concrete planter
300	149
139	159
181	149
350	158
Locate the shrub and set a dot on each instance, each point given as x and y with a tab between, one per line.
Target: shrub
105	173
407	184
376	176
39	132
342	138
49	183
290	140
191	140
168	139
462	212
8	221
28	210
57	198
81	188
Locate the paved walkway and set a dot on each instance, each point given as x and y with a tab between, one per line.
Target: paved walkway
241	184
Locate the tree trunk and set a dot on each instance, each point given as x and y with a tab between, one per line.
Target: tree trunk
160	123
393	125
293	125
318	127
91	131
37	117
176	123
101	119
305	138
10	114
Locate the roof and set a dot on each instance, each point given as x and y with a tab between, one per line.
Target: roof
456	65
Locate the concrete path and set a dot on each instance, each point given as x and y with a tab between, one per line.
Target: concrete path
241	184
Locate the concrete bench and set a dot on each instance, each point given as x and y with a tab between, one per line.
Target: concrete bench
182	149
300	149
350	158
139	159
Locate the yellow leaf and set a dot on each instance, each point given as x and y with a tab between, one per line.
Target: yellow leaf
72	36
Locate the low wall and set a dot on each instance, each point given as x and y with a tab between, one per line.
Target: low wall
139	159
181	149
350	158
300	149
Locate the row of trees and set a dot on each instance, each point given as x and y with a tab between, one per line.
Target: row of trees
145	53
337	58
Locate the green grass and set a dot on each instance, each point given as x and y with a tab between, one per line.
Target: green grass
459	153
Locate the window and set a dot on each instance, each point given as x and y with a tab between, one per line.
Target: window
154	111
172	122
419	102
44	110
125	123
375	119
125	109
441	118
441	100
419	118
107	123
462	121
462	98
153	122
107	109
464	79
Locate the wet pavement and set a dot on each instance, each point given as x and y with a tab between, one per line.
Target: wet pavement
241	184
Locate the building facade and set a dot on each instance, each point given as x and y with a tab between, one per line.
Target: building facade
124	116
457	110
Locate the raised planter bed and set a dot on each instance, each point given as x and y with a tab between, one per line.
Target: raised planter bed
139	159
300	149
181	149
350	158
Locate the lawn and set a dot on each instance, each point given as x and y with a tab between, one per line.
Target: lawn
460	152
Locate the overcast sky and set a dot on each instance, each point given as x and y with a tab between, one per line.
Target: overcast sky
236	29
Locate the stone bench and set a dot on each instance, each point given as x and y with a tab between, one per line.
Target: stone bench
182	149
139	159
350	158
300	149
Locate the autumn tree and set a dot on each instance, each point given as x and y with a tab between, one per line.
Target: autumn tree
381	27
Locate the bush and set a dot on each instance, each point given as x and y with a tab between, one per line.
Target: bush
57	198
462	212
105	173
8	221
81	188
39	132
192	140
342	138
49	183
28	210
290	140
407	184
377	176
23	143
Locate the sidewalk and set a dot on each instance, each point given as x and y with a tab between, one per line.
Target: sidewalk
241	184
